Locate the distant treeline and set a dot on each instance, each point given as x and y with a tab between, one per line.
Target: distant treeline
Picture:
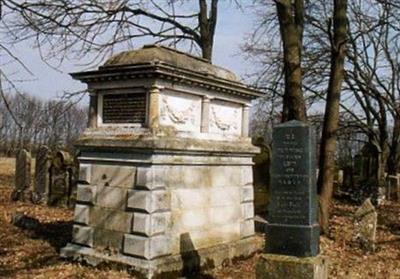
29	122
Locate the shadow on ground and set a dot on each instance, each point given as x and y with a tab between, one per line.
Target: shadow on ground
57	234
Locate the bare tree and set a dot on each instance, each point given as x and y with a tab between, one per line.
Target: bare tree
310	27
291	23
374	79
331	116
99	26
53	123
370	95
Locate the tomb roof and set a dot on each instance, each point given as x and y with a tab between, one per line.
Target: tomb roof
159	62
154	54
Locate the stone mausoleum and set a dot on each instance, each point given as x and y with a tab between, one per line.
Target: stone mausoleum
165	165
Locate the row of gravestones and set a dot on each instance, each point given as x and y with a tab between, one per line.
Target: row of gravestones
54	179
348	181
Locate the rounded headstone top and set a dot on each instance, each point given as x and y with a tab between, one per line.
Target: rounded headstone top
159	54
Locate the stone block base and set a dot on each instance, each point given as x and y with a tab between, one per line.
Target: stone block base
273	266
171	266
293	240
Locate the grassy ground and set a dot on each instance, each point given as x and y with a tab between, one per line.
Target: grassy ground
34	253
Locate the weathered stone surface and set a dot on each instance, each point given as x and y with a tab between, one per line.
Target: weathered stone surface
222	215
82	235
204	220
224	176
226	118
293	227
86	194
224	196
190	198
110	219
108	240
151	53
59	187
247	228
247	176
247	210
82	214
365	221
393	187
162	267
203	176
22	174
177	150
273	266
181	111
198	198
192	220
113	175
340	177
63	175
151	177
42	173
146	247
150	224
85	175
149	201
111	197
247	194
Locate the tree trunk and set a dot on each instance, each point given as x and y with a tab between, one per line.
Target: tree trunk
331	117
207	25
394	156
291	28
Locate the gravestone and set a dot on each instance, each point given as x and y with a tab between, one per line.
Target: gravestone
42	174
392	187
340	176
397	190
22	174
365	221
293	227
292	243
62	183
348	179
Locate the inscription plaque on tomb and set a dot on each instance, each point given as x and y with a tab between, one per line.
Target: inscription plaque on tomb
293	227
124	108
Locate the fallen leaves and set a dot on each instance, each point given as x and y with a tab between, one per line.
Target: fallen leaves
35	254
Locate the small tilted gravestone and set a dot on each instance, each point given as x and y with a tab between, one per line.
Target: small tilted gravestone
365	223
292	244
22	174
42	174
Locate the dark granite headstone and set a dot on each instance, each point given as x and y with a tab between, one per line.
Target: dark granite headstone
293	226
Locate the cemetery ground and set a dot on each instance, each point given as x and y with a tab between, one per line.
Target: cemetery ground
33	252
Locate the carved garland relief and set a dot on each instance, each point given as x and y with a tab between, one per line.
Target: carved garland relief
181	112
225	118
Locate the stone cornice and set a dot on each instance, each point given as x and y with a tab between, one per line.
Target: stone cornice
168	72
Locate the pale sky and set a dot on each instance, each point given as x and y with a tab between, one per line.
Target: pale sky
232	27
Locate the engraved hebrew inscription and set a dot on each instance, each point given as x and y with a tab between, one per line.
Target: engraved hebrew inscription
291	177
124	108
